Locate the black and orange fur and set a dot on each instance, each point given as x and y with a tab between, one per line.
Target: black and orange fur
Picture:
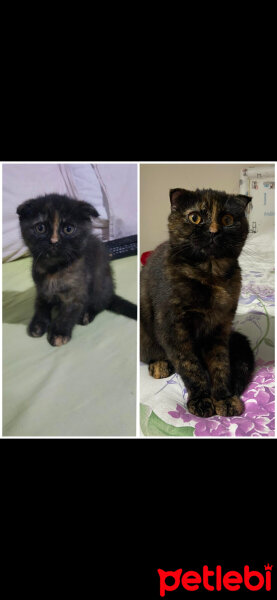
70	268
189	293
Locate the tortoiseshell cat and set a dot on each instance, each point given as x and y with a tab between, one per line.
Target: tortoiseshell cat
70	267
189	293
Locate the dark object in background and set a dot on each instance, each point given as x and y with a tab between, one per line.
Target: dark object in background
122	247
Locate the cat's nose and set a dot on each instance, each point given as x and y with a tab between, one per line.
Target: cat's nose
54	246
54	239
213	228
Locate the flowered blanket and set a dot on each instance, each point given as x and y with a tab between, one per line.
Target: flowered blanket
163	410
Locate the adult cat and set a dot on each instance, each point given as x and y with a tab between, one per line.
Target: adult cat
70	268
189	293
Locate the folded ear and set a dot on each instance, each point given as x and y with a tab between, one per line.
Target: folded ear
87	210
24	210
178	196
244	199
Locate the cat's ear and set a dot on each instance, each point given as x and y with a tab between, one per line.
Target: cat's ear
178	194
174	195
25	209
244	199
87	210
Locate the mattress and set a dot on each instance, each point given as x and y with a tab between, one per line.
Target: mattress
85	388
163	410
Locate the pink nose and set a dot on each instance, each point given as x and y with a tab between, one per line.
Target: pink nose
213	228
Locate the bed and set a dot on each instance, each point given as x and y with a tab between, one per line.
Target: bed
163	402
85	388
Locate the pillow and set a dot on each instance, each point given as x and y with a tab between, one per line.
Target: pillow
82	184
24	181
119	185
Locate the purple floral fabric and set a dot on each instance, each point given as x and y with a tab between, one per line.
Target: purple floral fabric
256	421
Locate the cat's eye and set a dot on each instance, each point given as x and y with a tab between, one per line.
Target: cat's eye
68	229
195	218
227	220
40	228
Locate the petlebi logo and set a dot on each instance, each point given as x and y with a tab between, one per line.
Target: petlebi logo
215	580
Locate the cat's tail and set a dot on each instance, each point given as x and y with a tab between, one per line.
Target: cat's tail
242	362
123	307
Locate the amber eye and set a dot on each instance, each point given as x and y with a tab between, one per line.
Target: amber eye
40	228
68	229
195	218
227	220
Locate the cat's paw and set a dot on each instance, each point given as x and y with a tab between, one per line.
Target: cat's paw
58	340
201	407
229	407
86	317
37	327
160	368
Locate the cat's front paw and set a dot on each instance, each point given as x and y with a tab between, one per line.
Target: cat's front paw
201	407
58	340
229	407
160	368
37	327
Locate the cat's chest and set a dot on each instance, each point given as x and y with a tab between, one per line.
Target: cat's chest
210	302
211	306
219	296
205	305
65	285
209	290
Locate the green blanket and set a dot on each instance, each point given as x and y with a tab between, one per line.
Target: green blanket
85	388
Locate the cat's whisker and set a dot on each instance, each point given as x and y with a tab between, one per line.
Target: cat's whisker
181	249
37	259
68	258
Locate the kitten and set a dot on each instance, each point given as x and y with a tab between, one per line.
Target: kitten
189	293
70	268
